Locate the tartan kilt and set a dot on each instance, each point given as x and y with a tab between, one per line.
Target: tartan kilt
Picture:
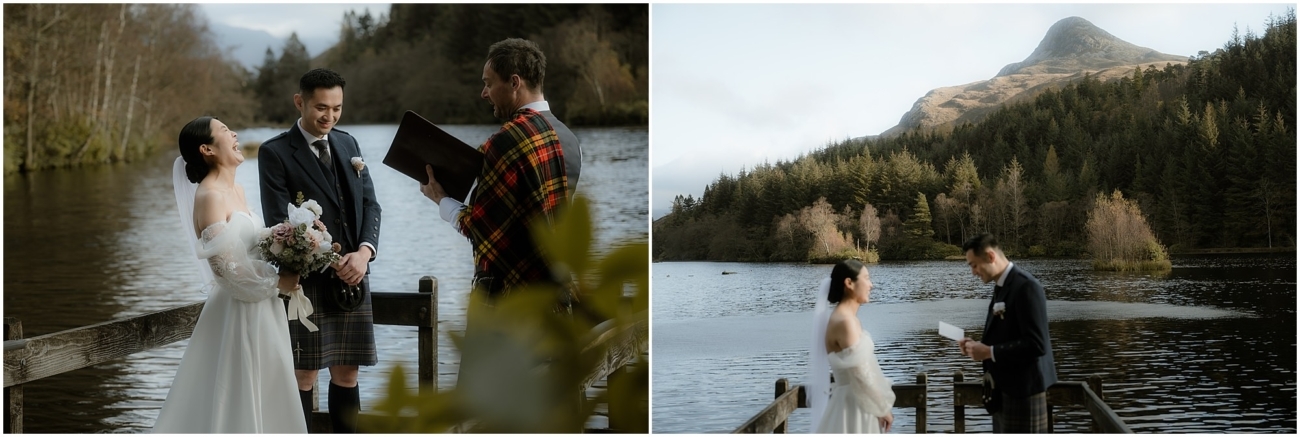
1022	415
344	338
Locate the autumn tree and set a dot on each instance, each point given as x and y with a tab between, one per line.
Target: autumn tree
1119	237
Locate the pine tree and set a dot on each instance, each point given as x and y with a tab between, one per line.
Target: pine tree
920	225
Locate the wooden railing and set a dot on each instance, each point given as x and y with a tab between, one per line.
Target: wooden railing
1061	394
774	417
32	359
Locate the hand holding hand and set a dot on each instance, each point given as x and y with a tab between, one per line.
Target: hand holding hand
351	268
433	190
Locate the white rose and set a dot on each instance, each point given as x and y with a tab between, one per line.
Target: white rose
300	216
277	247
314	207
263	233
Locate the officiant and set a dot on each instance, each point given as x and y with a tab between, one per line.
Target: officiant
529	169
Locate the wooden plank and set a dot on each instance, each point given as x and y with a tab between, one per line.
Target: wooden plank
622	347
968	393
919	402
13	398
782	386
1102	415
1065	394
52	354
767	420
959	416
428	338
909	395
404	309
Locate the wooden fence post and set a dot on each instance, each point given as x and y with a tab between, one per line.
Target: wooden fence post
922	380
782	386
428	337
13	398
959	416
1094	383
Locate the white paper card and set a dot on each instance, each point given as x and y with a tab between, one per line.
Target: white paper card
950	331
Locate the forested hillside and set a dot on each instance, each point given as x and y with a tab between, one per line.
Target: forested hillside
429	58
95	83
1207	149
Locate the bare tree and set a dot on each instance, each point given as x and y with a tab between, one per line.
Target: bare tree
1119	237
820	220
869	223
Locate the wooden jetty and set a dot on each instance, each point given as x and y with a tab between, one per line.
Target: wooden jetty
774	417
31	359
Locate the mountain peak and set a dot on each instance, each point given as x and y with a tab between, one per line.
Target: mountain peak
1074	44
1072	48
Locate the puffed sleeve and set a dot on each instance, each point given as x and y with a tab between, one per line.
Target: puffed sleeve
245	275
867	380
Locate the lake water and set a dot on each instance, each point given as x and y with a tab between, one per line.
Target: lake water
89	245
1208	347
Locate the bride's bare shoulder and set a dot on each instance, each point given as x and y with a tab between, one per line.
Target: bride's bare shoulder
209	207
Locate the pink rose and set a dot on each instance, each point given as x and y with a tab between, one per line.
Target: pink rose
320	226
282	233
313	240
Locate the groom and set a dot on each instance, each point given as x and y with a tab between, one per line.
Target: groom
314	161
1016	348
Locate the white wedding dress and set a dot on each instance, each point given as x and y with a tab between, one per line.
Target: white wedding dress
237	373
861	393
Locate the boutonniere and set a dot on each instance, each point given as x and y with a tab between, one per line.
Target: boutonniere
358	164
999	309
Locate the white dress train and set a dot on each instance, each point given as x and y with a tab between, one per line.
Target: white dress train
237	373
861	393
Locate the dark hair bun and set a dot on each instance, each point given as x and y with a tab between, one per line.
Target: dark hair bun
846	269
195	133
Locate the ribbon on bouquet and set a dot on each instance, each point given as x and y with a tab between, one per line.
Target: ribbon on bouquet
300	307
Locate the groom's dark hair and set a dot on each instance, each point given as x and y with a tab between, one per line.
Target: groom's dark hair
980	244
846	269
317	79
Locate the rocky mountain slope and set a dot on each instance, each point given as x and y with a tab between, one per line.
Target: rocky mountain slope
1072	48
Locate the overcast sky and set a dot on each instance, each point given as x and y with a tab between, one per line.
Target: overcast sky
734	85
317	24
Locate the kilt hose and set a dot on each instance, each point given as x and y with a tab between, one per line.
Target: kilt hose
1027	415
344	338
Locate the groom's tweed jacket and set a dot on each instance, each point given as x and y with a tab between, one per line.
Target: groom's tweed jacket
523	179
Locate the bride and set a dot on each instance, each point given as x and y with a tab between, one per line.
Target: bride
237	373
860	399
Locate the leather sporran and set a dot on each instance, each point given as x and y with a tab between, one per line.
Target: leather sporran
344	297
991	396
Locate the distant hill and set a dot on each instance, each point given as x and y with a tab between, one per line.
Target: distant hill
1072	48
248	46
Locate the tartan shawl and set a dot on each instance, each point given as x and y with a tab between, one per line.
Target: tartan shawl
523	178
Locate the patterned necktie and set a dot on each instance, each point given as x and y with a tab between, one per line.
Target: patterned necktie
324	149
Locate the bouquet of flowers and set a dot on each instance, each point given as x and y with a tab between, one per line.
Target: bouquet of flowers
301	243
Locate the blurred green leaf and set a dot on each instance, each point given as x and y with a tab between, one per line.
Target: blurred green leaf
523	364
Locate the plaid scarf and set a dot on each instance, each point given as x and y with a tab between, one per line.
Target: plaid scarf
523	178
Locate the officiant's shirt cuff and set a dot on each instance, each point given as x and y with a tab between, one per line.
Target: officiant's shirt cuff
449	209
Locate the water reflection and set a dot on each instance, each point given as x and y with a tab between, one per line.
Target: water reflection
1210	347
89	245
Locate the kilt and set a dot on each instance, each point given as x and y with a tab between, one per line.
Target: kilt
344	338
1022	415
